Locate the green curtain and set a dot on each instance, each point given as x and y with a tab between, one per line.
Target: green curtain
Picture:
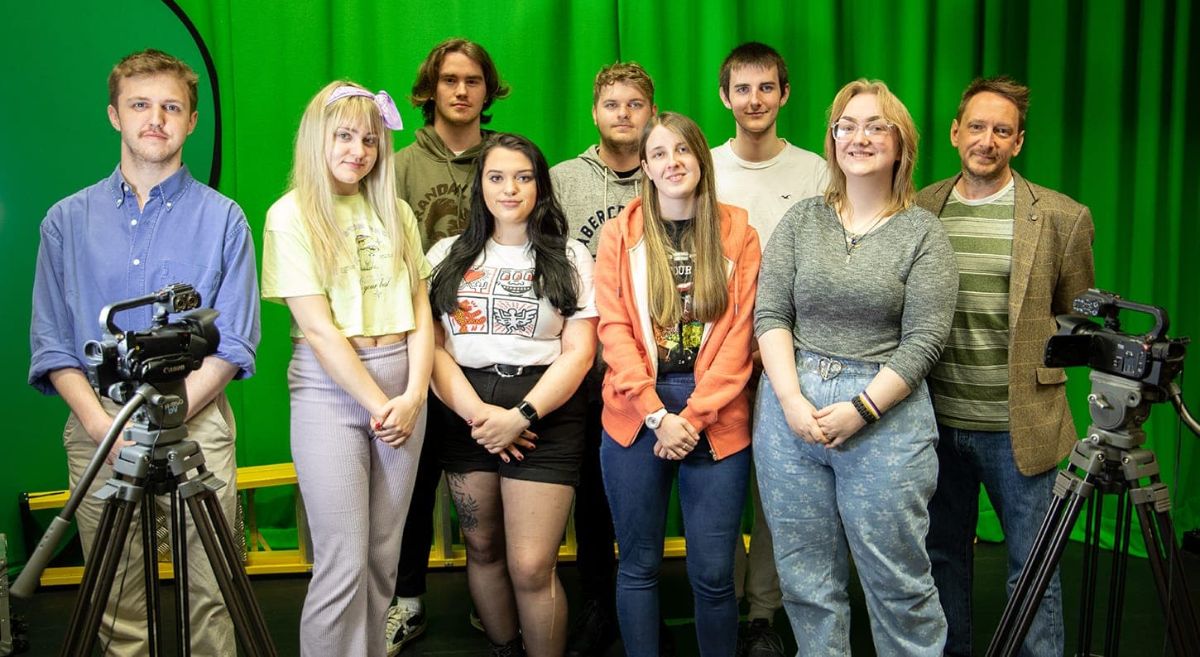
1114	84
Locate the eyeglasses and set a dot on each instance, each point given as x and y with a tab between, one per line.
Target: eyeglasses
844	129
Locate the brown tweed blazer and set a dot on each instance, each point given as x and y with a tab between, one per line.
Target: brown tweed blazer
1051	265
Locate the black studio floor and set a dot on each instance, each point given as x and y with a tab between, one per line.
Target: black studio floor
450	635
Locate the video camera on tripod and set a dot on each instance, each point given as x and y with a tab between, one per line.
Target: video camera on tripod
1130	373
165	352
1151	357
145	371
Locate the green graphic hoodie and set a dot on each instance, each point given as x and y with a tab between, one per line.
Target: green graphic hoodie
437	184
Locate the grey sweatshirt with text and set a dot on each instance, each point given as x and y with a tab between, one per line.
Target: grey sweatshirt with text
591	194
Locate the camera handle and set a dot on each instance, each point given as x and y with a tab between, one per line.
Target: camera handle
27	581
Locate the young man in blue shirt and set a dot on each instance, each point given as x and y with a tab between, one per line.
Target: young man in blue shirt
146	225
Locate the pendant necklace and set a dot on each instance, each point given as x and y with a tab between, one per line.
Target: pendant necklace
854	239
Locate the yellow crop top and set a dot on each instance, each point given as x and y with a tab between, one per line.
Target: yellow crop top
365	297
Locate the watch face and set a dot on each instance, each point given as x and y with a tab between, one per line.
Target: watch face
526	410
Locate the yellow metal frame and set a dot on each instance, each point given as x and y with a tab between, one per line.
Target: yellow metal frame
447	550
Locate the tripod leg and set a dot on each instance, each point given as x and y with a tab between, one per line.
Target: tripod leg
1116	582
1026	597
213	531
106	555
1043	573
154	614
1173	596
1091	567
183	623
91	577
1178	593
91	574
241	580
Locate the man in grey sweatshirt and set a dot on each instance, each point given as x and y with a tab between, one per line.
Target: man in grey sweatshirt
595	186
592	189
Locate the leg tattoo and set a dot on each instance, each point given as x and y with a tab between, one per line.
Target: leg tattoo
468	507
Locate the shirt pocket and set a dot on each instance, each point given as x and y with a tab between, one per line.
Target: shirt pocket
203	279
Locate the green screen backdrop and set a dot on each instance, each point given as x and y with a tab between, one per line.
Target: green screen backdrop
1115	94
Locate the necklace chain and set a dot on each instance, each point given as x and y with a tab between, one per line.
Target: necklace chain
852	239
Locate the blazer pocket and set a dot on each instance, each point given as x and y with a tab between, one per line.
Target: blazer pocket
1049	376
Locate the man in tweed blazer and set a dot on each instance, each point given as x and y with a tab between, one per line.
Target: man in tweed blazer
1024	253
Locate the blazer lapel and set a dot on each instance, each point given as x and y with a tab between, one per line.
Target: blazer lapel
942	194
1026	231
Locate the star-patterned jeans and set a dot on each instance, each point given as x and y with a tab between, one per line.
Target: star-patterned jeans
868	499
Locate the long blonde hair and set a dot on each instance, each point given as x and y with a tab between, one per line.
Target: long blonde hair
313	184
894	112
710	288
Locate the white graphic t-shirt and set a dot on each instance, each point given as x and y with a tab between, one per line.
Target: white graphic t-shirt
498	319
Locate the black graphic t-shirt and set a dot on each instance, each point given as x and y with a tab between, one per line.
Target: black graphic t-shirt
678	344
498	319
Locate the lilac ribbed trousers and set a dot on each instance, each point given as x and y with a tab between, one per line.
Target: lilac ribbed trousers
356	493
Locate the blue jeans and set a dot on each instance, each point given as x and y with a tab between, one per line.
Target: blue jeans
867	498
711	494
967	459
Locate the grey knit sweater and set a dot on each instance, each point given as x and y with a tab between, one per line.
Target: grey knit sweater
890	302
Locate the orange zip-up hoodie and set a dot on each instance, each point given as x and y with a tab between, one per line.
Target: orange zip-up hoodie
719	405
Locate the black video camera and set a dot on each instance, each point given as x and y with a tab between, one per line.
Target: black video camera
163	353
1152	357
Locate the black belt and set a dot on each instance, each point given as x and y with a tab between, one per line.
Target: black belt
510	371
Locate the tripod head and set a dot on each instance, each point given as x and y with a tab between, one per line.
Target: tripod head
1118	408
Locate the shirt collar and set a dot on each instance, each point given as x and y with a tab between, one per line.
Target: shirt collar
170	189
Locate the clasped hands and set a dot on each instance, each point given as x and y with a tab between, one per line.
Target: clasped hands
829	426
394	420
502	431
676	438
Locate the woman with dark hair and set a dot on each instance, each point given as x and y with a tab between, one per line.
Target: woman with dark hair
517	335
676	274
862	296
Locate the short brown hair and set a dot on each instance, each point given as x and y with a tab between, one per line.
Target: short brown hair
1001	85
630	73
903	192
755	54
152	62
425	88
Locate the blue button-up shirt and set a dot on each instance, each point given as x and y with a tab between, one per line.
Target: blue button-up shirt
98	248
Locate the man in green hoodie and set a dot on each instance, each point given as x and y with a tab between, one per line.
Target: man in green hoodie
455	85
592	189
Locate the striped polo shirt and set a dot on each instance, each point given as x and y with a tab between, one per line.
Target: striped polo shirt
969	384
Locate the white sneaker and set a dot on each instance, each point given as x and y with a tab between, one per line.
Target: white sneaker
405	622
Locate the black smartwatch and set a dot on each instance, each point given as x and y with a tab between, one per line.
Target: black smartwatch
527	411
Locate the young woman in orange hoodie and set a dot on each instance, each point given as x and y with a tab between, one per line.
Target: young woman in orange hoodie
676	274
